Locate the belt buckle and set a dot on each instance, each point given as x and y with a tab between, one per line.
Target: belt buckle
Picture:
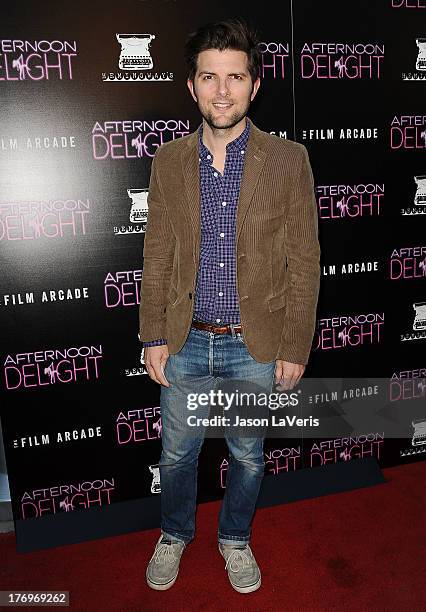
231	327
216	329
224	329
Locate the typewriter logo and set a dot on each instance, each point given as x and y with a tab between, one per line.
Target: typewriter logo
419	435
135	53
155	485
420	70
420	195
135	61
138	215
142	358
421	55
420	316
419	323
139	208
140	369
418	442
419	203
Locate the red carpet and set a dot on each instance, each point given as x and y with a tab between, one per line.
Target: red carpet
361	550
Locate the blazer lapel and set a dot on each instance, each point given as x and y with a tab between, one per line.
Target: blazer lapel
191	175
254	161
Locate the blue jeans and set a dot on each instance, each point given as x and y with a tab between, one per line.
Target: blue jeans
206	360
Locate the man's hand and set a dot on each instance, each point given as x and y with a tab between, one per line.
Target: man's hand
287	374
155	358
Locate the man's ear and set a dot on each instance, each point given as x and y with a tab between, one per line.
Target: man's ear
256	86
190	84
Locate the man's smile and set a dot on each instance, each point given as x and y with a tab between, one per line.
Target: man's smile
222	105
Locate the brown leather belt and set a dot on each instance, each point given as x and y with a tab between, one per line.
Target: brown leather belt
217	329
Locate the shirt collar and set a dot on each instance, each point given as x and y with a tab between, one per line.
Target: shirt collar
238	144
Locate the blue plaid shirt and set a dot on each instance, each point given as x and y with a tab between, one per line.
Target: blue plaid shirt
216	296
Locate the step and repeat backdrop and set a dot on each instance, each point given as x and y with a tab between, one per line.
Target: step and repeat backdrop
90	90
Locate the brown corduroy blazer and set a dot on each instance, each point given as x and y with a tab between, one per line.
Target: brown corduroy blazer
277	248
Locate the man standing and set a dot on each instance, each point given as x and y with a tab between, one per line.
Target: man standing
229	288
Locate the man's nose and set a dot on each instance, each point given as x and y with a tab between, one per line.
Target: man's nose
223	87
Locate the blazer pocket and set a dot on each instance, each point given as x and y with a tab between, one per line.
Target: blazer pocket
173	296
277	302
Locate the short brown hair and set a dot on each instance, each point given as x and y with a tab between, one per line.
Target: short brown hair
233	34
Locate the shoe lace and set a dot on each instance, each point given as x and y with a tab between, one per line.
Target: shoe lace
164	553
237	560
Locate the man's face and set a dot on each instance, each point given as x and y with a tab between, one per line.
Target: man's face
222	87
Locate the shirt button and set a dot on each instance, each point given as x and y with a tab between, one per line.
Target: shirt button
221	234
209	156
220	293
214	173
217	320
223	203
242	151
221	264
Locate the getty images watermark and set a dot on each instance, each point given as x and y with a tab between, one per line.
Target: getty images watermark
317	408
237	402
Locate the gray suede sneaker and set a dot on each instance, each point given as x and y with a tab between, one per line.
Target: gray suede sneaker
163	566
243	571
